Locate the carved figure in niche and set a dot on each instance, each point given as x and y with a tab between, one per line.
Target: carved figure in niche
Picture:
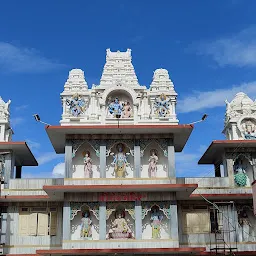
120	228
245	227
115	108
120	162
249	130
86	225
127	110
162	105
156	218
76	104
87	165
241	178
152	166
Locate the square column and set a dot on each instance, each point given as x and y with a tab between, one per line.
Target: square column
137	160
9	161
66	221
68	159
103	159
138	220
174	230
103	220
171	159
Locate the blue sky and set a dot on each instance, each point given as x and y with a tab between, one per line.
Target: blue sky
208	47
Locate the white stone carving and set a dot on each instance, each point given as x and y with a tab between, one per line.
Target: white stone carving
240	118
119	80
5	129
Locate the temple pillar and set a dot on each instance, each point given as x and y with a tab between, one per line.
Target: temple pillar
66	221
103	220
103	159
9	162
217	170
68	159
174	230
229	169
18	172
171	159
137	159
138	220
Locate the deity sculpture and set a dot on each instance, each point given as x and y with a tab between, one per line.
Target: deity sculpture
156	218
120	228
245	227
162	105
127	110
120	162
115	108
152	166
87	165
249	131
77	105
241	178
86	225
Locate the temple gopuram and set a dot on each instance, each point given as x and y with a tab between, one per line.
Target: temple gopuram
120	194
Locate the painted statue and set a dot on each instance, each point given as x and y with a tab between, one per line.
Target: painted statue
120	228
76	104
245	225
127	110
120	162
115	108
241	178
162	105
156	218
87	165
86	225
249	133
152	166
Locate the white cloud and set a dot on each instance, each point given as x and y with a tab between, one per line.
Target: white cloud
33	144
201	100
17	120
24	60
237	50
21	107
187	164
47	157
58	170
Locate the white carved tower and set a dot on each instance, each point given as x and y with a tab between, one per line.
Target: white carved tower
118	90
5	128
240	118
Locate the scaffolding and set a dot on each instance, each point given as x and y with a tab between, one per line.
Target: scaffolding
223	236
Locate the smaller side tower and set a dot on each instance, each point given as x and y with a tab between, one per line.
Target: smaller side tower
5	128
240	118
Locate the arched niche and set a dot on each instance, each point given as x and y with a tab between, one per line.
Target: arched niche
242	164
151	210
127	212
112	151
245	214
77	213
79	166
162	161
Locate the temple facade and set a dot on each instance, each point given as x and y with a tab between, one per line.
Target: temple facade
120	194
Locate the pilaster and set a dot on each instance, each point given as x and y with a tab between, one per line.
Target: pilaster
68	159
137	159
103	159
102	220
66	221
171	159
138	220
174	232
